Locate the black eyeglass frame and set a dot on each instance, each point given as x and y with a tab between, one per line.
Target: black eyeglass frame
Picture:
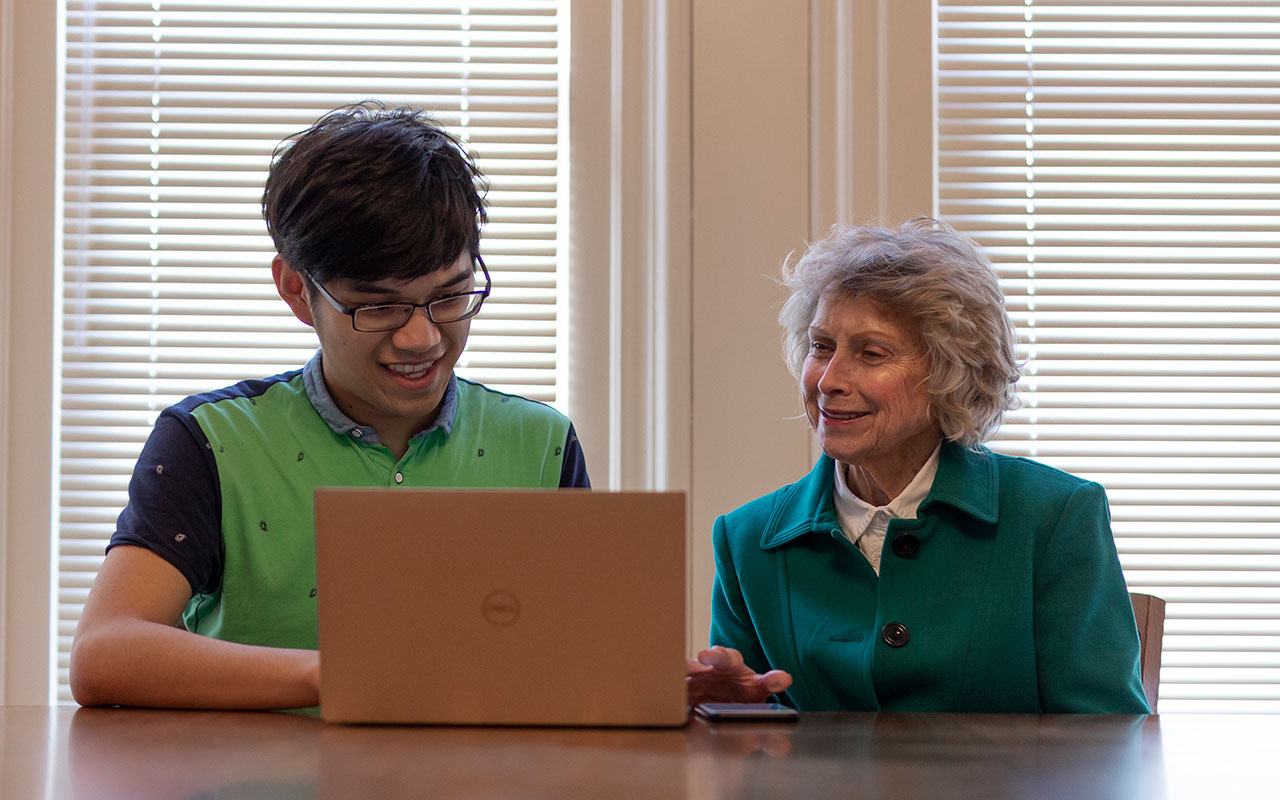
351	311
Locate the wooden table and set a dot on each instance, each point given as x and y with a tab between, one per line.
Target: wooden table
118	753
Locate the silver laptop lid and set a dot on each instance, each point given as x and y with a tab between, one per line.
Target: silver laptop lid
501	607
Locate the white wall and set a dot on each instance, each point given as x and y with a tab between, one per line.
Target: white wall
751	199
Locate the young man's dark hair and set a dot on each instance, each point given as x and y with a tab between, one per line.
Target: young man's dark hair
371	192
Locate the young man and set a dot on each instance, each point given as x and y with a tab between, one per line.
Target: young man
207	594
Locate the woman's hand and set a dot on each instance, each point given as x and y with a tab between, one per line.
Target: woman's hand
718	675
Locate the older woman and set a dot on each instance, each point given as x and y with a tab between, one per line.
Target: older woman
913	569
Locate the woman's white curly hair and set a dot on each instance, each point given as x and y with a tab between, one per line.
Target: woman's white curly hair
937	279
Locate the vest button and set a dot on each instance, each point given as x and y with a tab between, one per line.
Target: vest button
895	634
906	544
399	477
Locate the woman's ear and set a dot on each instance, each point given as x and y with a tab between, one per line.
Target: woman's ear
292	288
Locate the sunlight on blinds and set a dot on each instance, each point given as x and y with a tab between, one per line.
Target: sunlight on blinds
1120	162
173	108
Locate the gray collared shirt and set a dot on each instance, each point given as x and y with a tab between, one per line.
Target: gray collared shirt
318	394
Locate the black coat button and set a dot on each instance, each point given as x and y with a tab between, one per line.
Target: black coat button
906	544
895	634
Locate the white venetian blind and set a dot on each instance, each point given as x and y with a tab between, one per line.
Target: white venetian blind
1120	162
173	108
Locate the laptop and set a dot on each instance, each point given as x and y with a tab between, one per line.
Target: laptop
501	607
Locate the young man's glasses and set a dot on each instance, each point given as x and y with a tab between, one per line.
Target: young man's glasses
390	316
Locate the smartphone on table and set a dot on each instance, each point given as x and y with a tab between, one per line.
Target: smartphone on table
746	712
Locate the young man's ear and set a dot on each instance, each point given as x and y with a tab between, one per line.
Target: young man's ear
292	288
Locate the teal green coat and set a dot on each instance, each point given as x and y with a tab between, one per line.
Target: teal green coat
1013	600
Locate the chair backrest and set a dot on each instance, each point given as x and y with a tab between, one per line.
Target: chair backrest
1148	611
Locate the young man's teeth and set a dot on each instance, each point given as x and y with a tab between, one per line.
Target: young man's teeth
411	370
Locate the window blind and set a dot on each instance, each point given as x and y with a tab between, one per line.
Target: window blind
1120	162
173	108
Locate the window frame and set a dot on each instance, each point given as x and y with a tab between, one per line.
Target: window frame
29	144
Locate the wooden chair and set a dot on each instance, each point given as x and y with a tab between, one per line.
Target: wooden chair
1148	611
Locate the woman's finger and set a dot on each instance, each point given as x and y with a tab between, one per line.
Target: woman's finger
723	658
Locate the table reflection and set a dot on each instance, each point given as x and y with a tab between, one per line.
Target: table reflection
502	762
127	753
118	753
940	756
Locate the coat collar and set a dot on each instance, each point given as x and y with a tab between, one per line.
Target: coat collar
967	480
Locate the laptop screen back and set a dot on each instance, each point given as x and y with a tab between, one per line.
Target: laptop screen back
501	607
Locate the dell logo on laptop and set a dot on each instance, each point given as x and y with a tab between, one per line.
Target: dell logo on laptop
500	607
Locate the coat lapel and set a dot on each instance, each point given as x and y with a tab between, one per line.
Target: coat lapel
968	481
808	508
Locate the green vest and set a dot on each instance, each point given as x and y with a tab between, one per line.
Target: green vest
274	450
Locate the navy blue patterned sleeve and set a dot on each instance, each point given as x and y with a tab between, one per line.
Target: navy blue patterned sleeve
573	472
174	507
